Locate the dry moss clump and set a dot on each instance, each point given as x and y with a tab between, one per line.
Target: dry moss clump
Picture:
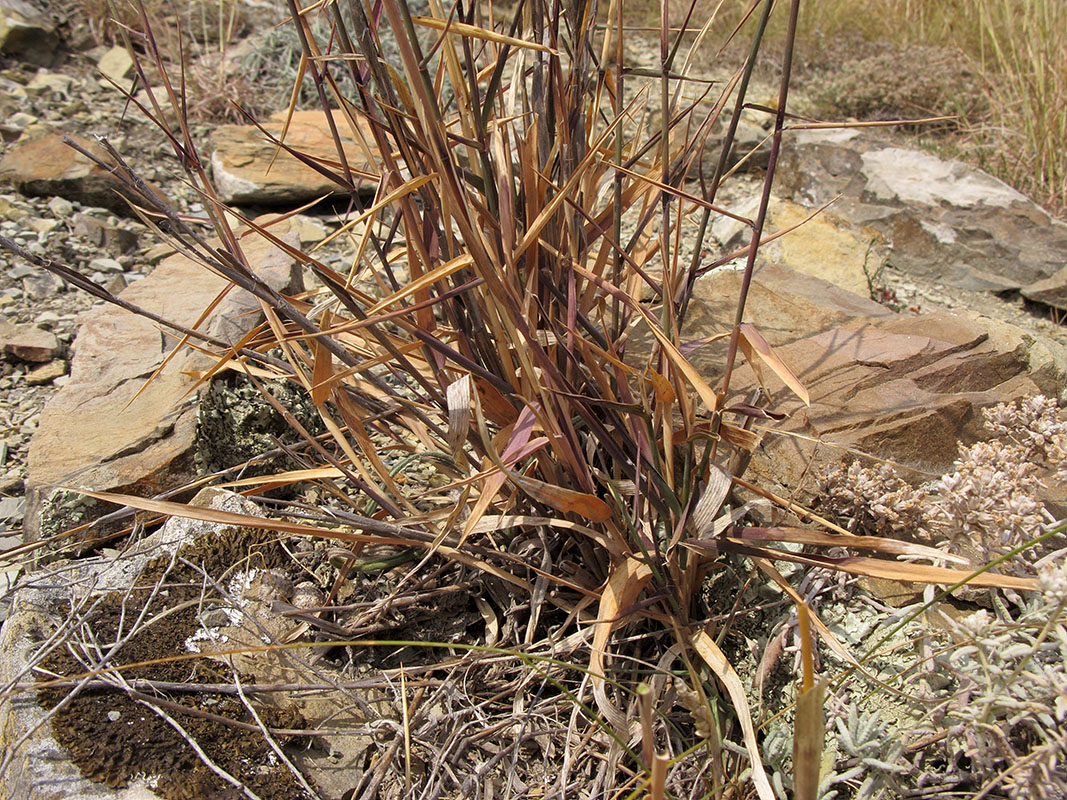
114	738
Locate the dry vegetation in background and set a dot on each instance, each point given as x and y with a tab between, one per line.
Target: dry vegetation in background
1000	64
585	492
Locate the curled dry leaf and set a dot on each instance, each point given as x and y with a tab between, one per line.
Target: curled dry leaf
458	397
759	352
711	501
720	665
625	584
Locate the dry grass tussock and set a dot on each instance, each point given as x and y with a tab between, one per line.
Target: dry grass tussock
577	496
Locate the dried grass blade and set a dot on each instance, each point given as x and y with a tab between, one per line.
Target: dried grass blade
518	441
742	438
285	478
809	731
496	522
474	32
497	407
880	568
720	665
758	352
322	372
812	537
625	584
386	533
536	226
424	281
673	354
566	501
404	189
768	569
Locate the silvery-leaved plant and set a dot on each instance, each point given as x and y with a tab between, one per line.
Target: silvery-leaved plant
1005	713
995	722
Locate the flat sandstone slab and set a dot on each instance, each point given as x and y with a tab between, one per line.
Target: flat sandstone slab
109	431
248	169
907	389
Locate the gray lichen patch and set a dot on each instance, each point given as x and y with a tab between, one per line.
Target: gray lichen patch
63	509
236	423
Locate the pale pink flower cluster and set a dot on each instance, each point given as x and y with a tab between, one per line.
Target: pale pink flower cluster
988	504
1053	581
872	500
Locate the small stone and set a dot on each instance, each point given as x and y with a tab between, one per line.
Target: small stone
115	64
46	319
48	167
105	265
20	271
26	33
215	618
105	235
42	286
49	83
309	229
19	121
247	168
46	373
170	116
158	253
12	508
114	716
61	207
42	225
307	595
28	343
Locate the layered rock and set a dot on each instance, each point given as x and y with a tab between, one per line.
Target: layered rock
784	304
825	245
248	169
943	220
907	389
47	167
126	421
27	33
28	342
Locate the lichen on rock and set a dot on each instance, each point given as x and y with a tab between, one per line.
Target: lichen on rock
236	423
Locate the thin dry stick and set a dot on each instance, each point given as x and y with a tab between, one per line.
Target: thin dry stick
270	739
211	765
